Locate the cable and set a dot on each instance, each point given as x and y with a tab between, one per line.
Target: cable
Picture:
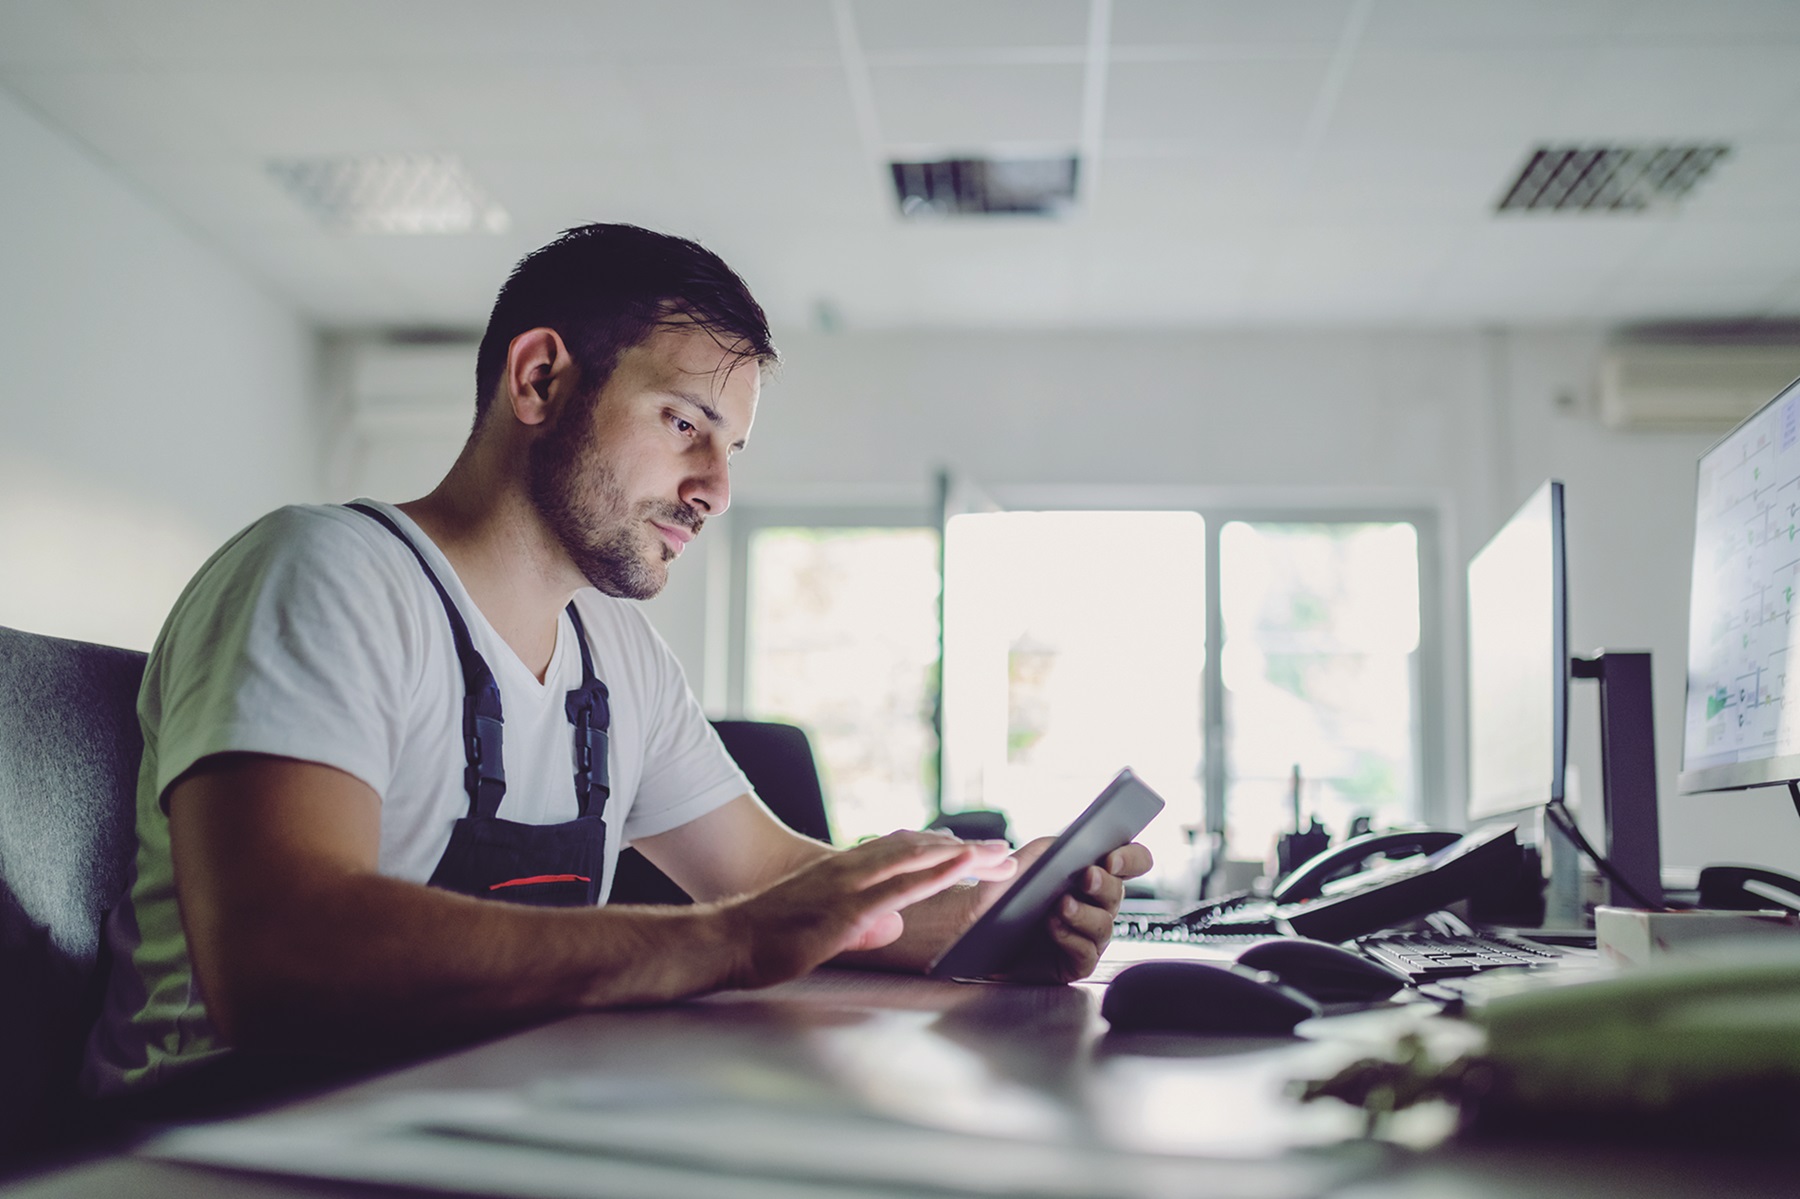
1564	820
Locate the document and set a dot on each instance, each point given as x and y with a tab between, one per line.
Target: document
625	1140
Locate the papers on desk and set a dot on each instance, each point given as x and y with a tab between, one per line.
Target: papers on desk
501	1143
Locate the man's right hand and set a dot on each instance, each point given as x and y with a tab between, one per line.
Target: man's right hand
851	901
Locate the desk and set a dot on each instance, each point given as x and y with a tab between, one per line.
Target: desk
1018	1061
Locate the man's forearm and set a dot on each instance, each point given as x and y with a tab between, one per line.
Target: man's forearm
369	961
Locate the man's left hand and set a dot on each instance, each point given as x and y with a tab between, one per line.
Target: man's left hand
1080	926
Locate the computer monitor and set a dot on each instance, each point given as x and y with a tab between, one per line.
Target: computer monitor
1519	661
1737	729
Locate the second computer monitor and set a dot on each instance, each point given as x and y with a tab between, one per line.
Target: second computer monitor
1519	661
1738	729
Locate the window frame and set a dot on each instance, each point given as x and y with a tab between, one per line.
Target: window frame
1431	728
746	522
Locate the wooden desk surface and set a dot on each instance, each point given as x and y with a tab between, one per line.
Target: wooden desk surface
1019	1062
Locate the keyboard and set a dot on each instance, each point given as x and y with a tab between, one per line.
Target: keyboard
1430	954
1235	915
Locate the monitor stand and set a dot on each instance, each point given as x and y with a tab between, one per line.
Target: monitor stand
1628	771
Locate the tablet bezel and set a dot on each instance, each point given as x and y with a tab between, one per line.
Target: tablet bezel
994	941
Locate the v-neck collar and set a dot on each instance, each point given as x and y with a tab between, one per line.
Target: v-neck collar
519	678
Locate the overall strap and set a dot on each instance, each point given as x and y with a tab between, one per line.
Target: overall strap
484	775
591	715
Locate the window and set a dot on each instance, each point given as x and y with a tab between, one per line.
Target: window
1079	642
840	638
1073	645
1213	651
1321	633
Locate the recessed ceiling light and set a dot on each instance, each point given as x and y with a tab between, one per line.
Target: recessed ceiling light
1608	178
985	186
391	193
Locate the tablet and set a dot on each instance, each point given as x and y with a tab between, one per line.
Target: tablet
991	944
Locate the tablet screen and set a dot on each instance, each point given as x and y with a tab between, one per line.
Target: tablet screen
991	944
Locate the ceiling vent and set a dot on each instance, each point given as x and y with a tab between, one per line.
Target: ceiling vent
1608	178
985	187
391	193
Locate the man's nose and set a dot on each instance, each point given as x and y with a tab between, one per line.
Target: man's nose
709	489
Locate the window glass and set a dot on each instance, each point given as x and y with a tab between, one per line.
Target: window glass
842	640
1074	644
1321	631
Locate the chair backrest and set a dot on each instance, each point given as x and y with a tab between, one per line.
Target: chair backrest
69	751
778	760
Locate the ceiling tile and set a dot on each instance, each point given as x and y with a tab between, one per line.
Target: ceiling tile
1197	275
1007	273
339	32
1687	23
899	25
1756	178
746	112
472	32
1345	259
1178	192
324	276
297	113
234	195
1223	25
122	113
548	108
1349	274
1687	92
1453	182
1715	252
767	34
733	123
1429	98
968	108
1490	24
449	280
43	33
1554	265
1260	103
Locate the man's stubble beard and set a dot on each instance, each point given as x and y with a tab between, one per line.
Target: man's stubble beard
578	496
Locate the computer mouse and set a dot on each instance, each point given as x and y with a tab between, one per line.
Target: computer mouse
1201	997
1326	972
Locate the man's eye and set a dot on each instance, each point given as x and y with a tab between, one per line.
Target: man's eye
682	426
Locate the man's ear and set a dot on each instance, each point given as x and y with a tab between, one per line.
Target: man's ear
540	373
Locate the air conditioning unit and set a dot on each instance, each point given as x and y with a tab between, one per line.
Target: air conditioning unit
1697	388
401	390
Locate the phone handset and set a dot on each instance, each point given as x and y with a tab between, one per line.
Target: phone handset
1748	889
1309	879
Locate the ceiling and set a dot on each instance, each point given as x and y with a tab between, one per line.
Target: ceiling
1246	162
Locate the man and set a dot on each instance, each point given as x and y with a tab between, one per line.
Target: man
365	724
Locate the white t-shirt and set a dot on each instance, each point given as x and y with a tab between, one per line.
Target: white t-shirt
314	635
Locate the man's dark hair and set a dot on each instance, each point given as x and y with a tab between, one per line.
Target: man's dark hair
606	288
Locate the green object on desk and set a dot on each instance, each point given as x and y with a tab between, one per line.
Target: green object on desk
1654	1038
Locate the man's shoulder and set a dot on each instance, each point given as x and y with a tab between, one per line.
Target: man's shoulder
308	525
302	554
311	534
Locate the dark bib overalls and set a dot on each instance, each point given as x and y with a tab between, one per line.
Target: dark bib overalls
551	865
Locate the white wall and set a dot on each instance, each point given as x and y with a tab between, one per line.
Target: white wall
1468	423
154	398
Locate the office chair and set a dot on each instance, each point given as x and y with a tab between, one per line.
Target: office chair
778	760
69	750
